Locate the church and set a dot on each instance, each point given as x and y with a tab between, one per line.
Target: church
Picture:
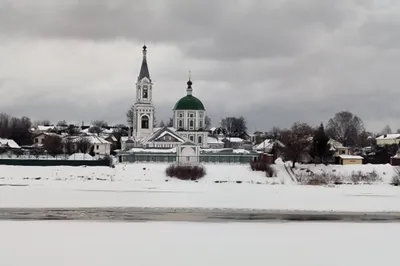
189	116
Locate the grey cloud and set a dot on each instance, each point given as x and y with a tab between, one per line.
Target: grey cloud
274	62
216	29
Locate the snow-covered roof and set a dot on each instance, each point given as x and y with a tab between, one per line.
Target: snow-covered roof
346	156
238	151
92	139
97	140
267	145
389	136
335	144
9	143
45	128
142	150
212	140
169	133
170	128
235	139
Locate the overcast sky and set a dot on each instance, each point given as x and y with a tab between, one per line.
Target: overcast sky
274	62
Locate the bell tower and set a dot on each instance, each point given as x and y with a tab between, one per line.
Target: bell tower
143	107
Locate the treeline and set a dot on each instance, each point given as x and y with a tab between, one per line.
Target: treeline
16	128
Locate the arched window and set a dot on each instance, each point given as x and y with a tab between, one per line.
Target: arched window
180	124
199	139
191	124
145	122
145	93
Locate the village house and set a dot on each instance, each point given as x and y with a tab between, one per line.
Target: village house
388	139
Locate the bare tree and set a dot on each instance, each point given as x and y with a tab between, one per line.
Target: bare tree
99	123
207	122
170	122
297	141
274	133
53	144
15	128
43	122
345	128
162	124
62	123
130	116
365	138
68	146
234	127
84	145
72	130
386	130
97	126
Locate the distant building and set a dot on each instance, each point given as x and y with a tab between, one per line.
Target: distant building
388	139
8	144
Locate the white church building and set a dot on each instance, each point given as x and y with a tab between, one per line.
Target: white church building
188	118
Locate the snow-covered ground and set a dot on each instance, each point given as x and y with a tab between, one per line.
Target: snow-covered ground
133	173
182	244
145	185
383	172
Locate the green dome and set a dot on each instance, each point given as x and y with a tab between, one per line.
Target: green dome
189	102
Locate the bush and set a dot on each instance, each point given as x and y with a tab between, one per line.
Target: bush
319	179
395	180
186	172
269	171
263	167
357	177
396	177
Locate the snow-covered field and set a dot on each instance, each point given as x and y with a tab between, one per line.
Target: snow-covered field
182	244
145	185
382	173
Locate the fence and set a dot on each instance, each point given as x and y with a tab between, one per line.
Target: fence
28	156
172	157
48	160
38	162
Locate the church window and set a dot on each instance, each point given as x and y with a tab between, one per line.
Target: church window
201	124
180	124
145	122
145	92
191	115
191	138
180	115
191	124
199	139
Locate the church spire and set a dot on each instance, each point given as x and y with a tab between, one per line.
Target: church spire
189	89
144	70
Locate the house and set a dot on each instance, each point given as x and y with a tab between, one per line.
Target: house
267	145
257	137
395	160
127	143
8	144
233	142
388	139
338	148
164	138
38	139
214	142
100	145
346	159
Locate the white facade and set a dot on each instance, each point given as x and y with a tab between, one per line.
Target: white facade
143	107
189	119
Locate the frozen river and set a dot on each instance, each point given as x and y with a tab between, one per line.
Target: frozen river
190	214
